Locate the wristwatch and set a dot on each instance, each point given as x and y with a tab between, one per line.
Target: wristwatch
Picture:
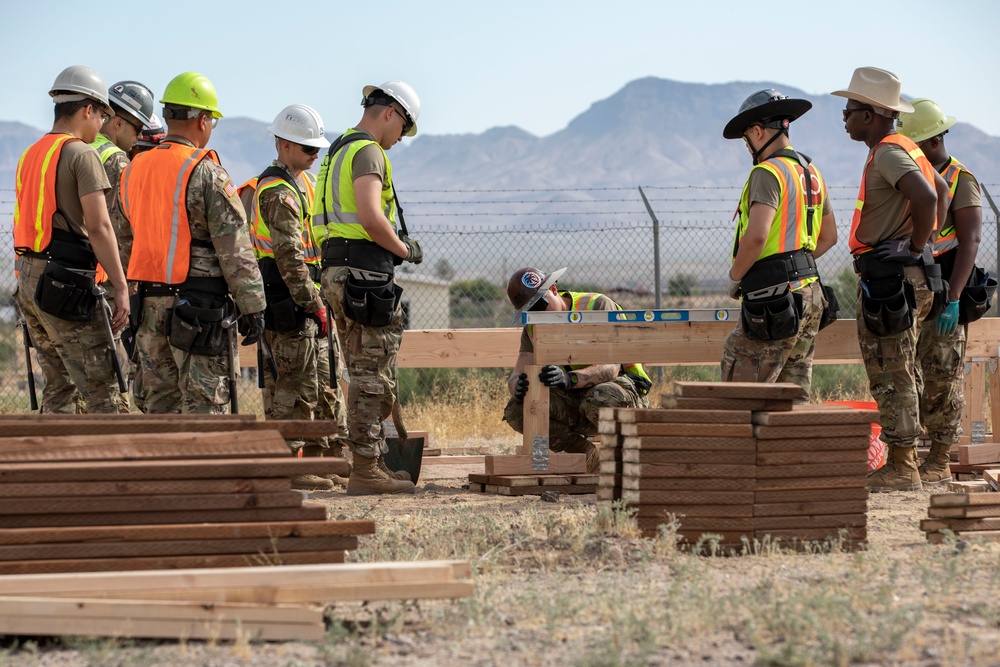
573	378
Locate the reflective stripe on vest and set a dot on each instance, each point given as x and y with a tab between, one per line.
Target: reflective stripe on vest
105	147
153	196
857	247
36	192
335	211
948	238
313	254
260	234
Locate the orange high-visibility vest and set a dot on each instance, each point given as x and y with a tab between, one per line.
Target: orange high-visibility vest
153	196
948	238
36	193
856	246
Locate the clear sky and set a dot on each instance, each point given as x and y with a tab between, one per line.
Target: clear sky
478	65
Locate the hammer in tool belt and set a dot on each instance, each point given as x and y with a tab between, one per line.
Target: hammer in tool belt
229	324
102	303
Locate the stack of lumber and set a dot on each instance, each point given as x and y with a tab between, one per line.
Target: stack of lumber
737	461
519	475
248	603
973	512
161	500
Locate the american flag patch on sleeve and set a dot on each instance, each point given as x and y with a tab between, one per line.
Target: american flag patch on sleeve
229	188
292	203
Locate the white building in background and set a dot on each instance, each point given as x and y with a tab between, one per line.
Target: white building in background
425	301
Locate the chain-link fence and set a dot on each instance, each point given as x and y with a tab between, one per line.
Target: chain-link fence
675	254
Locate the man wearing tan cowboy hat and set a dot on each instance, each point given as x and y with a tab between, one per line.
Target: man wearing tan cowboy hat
577	392
899	202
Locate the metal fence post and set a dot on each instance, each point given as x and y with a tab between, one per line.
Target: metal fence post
657	298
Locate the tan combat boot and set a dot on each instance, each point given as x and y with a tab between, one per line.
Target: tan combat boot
394	474
311	483
899	472
336	450
367	479
934	470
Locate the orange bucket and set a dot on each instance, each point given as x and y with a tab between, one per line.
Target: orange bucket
876	448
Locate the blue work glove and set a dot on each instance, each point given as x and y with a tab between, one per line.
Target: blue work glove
948	319
554	376
521	386
896	250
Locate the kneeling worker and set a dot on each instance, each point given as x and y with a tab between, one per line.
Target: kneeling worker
578	392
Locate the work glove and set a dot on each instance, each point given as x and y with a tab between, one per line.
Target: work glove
948	319
322	321
554	376
251	326
414	253
732	287
896	250
521	386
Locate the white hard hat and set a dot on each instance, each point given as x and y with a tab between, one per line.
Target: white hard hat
300	124
403	93
78	82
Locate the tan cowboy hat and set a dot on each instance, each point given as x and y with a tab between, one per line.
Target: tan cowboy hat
877	87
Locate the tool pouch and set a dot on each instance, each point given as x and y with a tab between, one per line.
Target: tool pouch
937	285
282	314
772	318
977	296
66	294
196	330
371	303
887	305
829	315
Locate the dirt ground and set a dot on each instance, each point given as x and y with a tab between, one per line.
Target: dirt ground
569	583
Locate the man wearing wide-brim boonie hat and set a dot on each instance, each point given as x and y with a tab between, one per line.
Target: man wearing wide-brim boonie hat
893	220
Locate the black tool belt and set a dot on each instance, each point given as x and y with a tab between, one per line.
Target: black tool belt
211	287
777	270
195	326
281	314
68	250
65	288
977	294
870	267
315	272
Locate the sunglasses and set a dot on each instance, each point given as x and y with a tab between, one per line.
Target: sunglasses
848	112
407	121
309	150
105	116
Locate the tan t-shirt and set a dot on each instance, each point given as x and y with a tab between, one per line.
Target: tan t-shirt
885	208
80	173
370	159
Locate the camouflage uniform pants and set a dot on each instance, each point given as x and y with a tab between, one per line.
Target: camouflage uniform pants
573	414
295	394
331	399
745	359
174	380
73	356
941	362
891	364
370	356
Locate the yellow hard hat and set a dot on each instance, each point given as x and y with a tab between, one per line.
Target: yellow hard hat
925	121
193	90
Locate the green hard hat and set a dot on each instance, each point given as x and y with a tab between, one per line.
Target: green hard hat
925	121
193	90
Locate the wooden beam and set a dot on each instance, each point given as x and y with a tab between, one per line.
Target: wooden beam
303	513
973	417
186	469
558	463
171	562
110	425
536	417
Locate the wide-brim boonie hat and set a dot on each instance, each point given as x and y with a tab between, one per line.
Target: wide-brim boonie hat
752	112
877	87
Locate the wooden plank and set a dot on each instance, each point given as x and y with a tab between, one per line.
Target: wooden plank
741	404
756	390
683	512
559	463
203	531
763	523
992	477
692	430
859	468
58	471
807	508
822	482
686	483
963	525
968	512
450	348
661	416
810	534
984	536
975	400
171	562
271	580
699	470
687	456
980	453
717	523
536	411
280	545
163	503
220	444
799	457
974	486
299	428
132	416
963	499
657	497
700	443
304	513
157	620
726	538
812	415
573	489
145	487
861	431
452	461
810	495
994	379
811	444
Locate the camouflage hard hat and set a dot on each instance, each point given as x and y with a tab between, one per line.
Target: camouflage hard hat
527	282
